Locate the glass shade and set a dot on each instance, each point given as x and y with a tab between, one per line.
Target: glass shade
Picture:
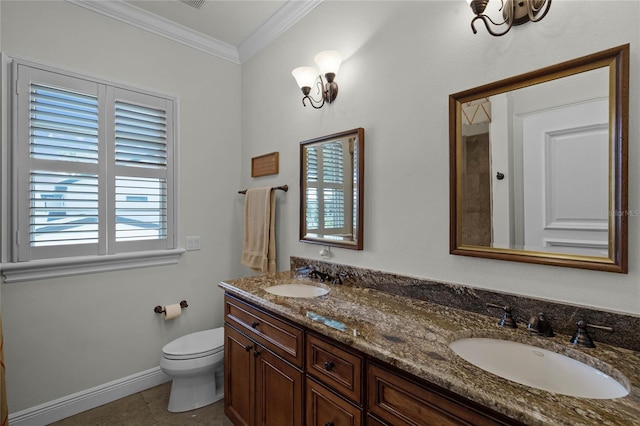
305	76
328	61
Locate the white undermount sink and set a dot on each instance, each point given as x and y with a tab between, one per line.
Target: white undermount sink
297	290
538	368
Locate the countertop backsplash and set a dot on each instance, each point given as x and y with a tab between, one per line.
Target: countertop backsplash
562	317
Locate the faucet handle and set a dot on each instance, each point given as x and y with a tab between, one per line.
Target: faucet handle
339	278
507	319
582	338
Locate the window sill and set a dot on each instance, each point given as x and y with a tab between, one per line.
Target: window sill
55	268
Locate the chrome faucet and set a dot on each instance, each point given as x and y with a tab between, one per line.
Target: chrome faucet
540	326
507	319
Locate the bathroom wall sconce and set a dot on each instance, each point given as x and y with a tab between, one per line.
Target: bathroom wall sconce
514	12
329	62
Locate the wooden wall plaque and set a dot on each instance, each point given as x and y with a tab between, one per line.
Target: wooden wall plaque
265	165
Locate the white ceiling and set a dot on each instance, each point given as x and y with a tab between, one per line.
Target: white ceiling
231	29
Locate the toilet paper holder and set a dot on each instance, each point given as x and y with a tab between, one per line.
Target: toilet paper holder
160	309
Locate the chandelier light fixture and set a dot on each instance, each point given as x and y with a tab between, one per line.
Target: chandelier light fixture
329	62
514	12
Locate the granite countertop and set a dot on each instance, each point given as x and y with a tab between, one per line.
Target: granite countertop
415	335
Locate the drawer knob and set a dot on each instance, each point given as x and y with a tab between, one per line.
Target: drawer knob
254	324
328	365
329	424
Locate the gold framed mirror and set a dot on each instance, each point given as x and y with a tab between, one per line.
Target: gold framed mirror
538	165
332	189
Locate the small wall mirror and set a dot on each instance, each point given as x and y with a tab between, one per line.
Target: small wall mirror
331	189
538	165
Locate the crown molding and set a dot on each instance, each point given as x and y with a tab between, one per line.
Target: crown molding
282	20
127	13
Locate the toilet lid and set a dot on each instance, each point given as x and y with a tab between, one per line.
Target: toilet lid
195	345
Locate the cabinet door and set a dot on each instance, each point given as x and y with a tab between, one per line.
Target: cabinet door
325	408
278	390
239	367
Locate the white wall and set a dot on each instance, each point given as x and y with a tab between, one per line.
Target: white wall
402	60
70	334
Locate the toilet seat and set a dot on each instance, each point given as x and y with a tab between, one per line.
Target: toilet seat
195	345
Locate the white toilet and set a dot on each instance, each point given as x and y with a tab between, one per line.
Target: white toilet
196	364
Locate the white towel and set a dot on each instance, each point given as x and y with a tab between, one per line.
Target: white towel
259	245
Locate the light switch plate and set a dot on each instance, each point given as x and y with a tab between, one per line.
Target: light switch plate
193	243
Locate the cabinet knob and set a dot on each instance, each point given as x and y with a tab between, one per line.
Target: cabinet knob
328	365
247	348
329	424
256	353
254	324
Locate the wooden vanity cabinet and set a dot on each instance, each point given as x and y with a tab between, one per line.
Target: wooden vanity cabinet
280	374
263	379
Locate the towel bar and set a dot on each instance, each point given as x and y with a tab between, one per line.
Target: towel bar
284	188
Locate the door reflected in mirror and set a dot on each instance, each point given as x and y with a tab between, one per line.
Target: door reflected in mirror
538	165
331	189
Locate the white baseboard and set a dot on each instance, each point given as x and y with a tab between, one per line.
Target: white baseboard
70	405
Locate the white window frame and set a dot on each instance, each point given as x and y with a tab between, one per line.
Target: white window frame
118	256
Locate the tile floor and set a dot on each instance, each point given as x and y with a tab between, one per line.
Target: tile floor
148	408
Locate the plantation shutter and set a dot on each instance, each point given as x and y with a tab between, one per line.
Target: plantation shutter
63	129
325	208
58	122
140	190
333	191
312	207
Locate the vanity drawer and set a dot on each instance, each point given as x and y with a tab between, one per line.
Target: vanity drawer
278	335
335	366
327	408
372	421
401	401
